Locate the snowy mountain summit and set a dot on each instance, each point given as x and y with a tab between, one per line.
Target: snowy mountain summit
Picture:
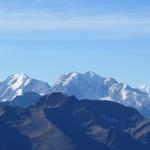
18	84
83	85
144	88
89	85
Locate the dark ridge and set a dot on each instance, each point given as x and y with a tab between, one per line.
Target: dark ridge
66	123
126	115
52	100
12	139
25	100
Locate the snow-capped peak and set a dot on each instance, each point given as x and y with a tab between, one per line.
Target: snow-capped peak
17	75
67	78
90	73
82	85
16	80
18	84
89	85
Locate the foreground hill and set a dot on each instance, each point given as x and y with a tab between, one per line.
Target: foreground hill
58	122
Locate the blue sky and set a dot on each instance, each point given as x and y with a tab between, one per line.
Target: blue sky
45	38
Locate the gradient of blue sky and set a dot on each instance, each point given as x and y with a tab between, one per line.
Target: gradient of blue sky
45	38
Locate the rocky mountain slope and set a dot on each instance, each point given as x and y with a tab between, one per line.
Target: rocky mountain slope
65	123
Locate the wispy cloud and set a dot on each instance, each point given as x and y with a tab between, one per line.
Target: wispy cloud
106	24
102	22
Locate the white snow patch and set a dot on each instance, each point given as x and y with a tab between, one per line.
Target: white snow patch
19	92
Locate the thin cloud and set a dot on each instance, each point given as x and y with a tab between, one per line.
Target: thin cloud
105	24
94	23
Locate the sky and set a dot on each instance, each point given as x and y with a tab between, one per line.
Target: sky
46	38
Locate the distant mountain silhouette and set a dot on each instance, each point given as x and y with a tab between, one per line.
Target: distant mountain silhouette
25	100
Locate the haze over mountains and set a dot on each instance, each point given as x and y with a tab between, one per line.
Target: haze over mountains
82	85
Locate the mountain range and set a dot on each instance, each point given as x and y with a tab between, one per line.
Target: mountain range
87	85
58	122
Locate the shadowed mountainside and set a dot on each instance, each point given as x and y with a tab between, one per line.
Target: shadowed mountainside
65	123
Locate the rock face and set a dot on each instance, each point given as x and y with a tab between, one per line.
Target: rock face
92	86
65	123
18	84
